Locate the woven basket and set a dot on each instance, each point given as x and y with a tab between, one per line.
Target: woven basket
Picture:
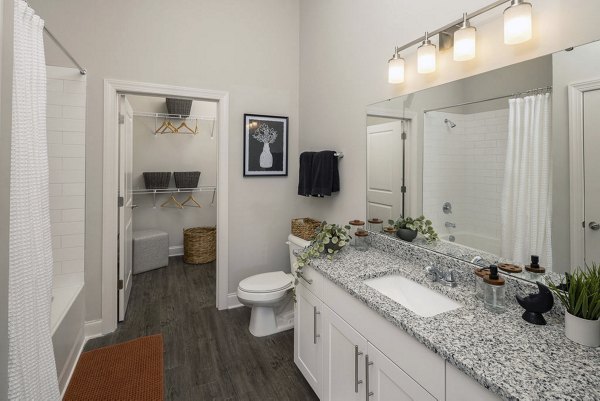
305	228
186	179
179	106
199	245
157	180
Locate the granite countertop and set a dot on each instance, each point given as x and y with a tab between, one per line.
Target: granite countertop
512	358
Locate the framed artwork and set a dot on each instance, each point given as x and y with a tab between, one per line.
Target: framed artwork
265	146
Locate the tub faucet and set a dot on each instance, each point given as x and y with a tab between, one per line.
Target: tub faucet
450	225
447	277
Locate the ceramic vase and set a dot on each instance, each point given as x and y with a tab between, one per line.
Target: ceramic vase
582	331
406	234
266	158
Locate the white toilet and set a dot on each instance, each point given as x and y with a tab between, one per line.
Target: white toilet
270	297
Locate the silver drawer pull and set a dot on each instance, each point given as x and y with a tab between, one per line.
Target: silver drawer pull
315	313
367	364
308	280
356	381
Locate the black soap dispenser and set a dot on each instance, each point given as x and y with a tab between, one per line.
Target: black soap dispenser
493	293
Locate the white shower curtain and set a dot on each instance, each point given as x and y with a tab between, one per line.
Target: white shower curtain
31	367
526	208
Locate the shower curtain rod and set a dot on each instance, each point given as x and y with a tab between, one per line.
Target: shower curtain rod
82	70
518	94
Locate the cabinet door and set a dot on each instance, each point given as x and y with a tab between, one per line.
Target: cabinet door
343	363
385	381
308	349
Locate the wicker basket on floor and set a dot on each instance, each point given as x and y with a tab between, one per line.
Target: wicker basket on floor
305	228
199	245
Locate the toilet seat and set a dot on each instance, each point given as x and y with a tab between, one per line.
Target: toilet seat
266	283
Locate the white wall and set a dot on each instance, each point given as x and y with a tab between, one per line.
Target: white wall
66	156
344	50
173	152
247	48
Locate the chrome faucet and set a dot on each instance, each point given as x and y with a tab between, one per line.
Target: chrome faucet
450	225
447	277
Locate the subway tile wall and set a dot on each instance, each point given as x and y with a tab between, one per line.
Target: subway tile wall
66	153
464	165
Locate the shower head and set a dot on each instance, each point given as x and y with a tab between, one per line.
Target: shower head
449	123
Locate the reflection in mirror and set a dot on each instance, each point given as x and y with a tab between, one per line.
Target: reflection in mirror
486	159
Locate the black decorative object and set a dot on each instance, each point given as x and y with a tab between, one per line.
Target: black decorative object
406	234
265	145
536	304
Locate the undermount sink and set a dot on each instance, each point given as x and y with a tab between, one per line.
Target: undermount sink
421	300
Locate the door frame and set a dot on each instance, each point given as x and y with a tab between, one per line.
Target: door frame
112	89
576	168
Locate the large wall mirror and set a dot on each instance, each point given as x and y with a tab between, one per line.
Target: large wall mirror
505	164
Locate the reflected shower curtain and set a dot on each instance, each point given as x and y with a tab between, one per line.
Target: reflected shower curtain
526	208
31	367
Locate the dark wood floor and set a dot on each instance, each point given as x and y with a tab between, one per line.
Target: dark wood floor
209	354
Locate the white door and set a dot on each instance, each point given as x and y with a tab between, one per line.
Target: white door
308	348
343	364
591	147
126	205
387	382
384	171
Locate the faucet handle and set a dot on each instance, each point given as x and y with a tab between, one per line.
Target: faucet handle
431	273
450	277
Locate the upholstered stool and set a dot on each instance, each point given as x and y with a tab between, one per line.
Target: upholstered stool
150	250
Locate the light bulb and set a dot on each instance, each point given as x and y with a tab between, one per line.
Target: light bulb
464	41
396	68
517	22
426	56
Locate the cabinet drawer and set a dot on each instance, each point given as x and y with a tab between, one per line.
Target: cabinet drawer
311	280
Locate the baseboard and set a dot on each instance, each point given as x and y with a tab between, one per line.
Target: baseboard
176	250
93	329
233	301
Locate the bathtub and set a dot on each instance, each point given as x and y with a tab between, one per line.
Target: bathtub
475	241
67	324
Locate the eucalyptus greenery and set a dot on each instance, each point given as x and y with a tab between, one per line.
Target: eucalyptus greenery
330	238
579	292
420	224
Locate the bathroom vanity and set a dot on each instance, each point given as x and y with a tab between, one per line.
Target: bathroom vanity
352	342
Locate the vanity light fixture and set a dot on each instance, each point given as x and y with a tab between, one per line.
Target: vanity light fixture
461	35
517	22
426	56
464	41
396	68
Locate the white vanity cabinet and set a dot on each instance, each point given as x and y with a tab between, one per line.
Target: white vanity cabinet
308	342
385	381
343	364
348	352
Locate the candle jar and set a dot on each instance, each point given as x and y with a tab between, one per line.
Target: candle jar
376	225
355	225
362	240
480	273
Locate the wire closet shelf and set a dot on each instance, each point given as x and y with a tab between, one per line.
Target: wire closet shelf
167	117
172	191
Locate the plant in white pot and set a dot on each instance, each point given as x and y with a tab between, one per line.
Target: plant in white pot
580	295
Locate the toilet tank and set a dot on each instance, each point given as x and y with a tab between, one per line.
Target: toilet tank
295	243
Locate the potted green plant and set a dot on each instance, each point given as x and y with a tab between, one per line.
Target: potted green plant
329	240
407	228
579	292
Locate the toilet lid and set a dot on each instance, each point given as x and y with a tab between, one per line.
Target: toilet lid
266	282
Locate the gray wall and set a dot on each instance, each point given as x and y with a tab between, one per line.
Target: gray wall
335	88
247	48
581	64
5	129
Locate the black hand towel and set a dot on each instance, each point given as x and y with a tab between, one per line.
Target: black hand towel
325	174
305	176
